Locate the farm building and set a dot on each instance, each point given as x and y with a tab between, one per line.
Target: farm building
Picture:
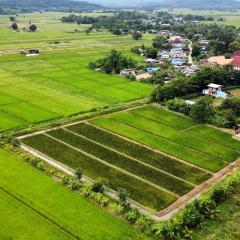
143	76
126	72
236	60
152	69
177	61
215	90
164	55
176	39
219	60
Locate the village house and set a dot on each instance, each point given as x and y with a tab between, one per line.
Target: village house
164	55
177	61
152	69
215	90
176	39
236	60
219	60
237	130
143	76
30	52
151	60
177	52
222	61
165	32
127	72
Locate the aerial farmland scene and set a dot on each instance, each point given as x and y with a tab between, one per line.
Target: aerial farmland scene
120	120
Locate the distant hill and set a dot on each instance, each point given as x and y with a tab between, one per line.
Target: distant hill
48	5
197	4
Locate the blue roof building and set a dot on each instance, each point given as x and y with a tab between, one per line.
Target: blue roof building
152	69
177	61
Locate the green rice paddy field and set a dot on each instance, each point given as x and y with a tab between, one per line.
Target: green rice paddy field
168	154
33	206
58	82
232	18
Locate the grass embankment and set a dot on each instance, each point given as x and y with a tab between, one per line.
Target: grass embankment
68	211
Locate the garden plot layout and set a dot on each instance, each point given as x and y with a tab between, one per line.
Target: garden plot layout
58	84
157	155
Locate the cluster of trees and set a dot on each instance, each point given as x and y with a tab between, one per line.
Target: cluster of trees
123	22
181	86
191	17
72	18
14	25
113	63
227	115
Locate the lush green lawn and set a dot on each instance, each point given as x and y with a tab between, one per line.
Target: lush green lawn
153	129
63	207
225	226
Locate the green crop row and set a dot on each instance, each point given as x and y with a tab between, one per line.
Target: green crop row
212	150
165	117
123	162
161	144
141	153
138	190
213	135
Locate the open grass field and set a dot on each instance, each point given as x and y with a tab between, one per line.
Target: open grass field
58	82
133	166
205	147
33	206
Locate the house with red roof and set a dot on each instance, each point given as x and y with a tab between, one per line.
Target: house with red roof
222	61
236	60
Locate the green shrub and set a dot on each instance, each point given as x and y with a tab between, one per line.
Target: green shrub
65	180
132	215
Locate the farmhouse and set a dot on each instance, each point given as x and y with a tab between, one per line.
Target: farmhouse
143	76
177	61
30	52
165	32
177	52
237	130
126	72
164	55
219	60
176	39
236	60
215	90
222	61
152	69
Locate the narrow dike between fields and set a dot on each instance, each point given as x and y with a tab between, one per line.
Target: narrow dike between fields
114	167
40	213
132	158
150	148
